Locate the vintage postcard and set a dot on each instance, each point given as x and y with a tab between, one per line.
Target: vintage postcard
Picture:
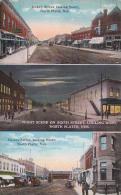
60	32
60	97
60	163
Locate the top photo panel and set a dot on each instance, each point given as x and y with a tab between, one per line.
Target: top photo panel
60	32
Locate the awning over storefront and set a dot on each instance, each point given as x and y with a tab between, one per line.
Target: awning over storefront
76	42
6	177
97	40
111	101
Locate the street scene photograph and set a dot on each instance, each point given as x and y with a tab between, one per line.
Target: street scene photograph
60	97
60	32
68	163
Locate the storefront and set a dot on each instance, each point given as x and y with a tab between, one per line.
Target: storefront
10	42
111	105
97	43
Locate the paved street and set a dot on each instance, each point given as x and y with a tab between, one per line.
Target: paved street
20	57
56	188
68	55
54	119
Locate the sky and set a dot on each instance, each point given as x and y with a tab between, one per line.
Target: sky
56	83
45	23
63	153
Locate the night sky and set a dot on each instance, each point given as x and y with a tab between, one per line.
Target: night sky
56	83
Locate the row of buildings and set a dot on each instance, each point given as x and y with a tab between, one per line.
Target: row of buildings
100	98
21	167
14	31
101	163
104	31
12	95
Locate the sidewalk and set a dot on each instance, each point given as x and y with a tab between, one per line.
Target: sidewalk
91	118
20	57
78	190
111	53
17	115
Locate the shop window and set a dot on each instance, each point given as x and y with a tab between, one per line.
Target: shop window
103	171
103	142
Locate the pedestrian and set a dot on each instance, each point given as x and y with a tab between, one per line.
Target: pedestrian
12	115
9	114
5	116
117	189
86	188
83	188
94	189
106	189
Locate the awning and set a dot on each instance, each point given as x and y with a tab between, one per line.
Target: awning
6	177
76	42
97	40
112	101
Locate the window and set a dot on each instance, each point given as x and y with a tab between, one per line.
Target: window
111	92
4	19
103	171
94	152
113	27
117	92
4	164
113	141
103	142
7	166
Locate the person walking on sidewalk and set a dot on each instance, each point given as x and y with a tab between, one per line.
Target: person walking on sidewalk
94	187
85	188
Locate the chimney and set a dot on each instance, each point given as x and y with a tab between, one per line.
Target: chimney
105	12
10	75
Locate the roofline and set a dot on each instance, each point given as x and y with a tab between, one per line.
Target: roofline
7	157
98	82
8	3
12	79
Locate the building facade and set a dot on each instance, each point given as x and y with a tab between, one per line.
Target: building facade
101	97
12	94
14	31
9	166
107	161
108	26
29	167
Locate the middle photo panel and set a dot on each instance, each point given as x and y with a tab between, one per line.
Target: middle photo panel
60	98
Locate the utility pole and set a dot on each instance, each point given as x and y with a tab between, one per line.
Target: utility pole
101	96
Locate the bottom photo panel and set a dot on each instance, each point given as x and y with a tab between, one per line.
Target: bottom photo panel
60	163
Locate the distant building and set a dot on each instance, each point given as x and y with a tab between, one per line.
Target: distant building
12	94
82	36
29	167
99	97
9	166
41	171
107	161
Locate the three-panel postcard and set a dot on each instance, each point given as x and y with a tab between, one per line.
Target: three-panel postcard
60	97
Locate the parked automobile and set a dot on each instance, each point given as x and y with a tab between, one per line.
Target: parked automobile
36	181
69	183
20	182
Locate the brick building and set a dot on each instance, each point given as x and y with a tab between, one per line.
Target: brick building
82	36
108	26
12	94
107	161
14	31
29	167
